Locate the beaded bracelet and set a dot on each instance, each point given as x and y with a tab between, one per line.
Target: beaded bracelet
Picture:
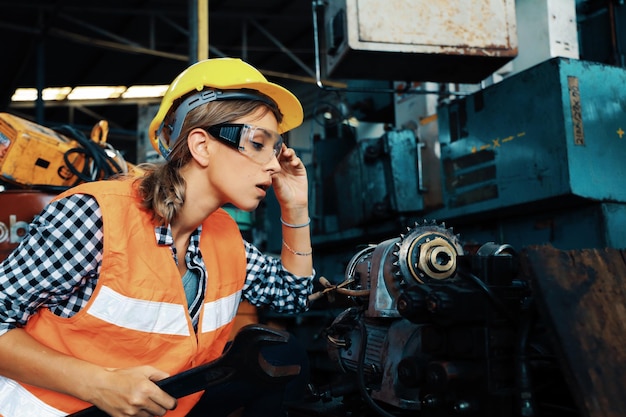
296	226
309	253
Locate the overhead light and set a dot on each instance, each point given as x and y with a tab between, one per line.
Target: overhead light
96	93
24	94
48	94
56	93
145	91
90	93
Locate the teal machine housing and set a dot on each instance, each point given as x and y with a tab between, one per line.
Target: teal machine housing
539	157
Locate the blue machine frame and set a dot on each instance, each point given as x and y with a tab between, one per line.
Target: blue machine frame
539	157
546	146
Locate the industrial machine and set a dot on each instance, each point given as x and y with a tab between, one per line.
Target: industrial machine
376	39
38	157
441	319
436	327
535	158
439	329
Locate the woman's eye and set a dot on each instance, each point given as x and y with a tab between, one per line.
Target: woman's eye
258	146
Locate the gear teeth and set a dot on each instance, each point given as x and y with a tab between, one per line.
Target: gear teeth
423	231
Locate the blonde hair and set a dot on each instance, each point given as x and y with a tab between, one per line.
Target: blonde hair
162	188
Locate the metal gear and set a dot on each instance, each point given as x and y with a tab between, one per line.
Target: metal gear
427	252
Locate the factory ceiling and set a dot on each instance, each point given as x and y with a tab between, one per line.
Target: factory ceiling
129	42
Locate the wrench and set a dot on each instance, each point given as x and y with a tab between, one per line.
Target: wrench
243	359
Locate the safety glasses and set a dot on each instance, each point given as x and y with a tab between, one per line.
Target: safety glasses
257	143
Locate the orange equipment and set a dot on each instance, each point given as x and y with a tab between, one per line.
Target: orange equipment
35	156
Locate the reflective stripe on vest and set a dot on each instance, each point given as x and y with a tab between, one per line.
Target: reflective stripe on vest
15	401
141	315
220	312
155	317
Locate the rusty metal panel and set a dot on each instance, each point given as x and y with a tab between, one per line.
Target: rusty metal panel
444	26
17	210
581	295
421	40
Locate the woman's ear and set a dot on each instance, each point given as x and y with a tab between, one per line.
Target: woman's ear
199	146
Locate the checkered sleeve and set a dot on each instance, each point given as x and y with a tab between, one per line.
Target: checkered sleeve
55	264
269	284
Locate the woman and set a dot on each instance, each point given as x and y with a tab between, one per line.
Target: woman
121	283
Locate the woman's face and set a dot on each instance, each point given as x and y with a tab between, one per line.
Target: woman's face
238	178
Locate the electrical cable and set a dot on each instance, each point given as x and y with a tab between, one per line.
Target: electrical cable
492	297
97	163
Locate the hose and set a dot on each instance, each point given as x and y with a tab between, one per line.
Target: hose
97	163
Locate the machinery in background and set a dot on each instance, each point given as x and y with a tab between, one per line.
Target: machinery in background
535	158
438	329
416	40
428	324
37	157
538	157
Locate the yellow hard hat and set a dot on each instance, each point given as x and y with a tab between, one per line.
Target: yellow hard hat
220	79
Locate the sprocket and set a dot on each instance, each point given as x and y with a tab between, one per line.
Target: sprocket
427	252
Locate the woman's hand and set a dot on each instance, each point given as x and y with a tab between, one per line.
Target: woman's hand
131	392
291	189
118	392
291	184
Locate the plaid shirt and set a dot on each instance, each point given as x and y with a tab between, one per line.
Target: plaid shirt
57	265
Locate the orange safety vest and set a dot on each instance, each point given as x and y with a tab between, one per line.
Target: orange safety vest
138	312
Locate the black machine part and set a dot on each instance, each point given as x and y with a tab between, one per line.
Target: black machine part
442	330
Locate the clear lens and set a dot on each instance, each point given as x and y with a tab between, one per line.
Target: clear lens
259	144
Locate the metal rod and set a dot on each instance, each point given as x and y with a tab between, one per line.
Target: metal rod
282	47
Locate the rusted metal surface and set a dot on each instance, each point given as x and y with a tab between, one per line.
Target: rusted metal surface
582	296
17	210
442	26
419	40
